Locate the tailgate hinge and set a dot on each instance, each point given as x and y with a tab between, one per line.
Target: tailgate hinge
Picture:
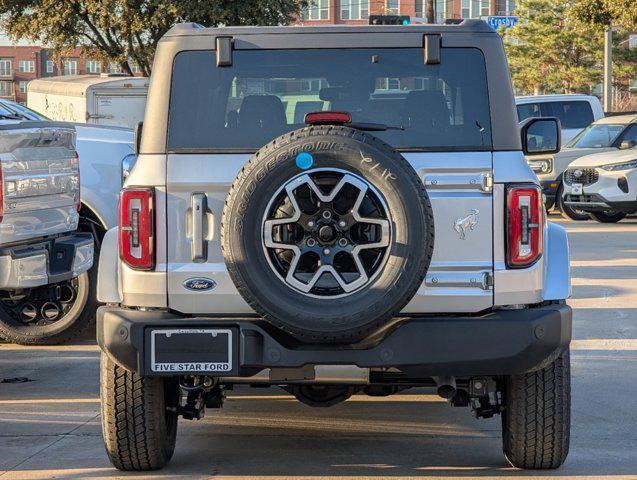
487	182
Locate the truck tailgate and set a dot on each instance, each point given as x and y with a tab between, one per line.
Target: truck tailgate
40	180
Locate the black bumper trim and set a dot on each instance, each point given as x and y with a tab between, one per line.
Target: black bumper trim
503	342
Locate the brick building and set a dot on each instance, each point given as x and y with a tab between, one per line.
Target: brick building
358	11
21	63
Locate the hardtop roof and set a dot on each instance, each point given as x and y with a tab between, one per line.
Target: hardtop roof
195	29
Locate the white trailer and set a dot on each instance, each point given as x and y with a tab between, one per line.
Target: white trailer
94	99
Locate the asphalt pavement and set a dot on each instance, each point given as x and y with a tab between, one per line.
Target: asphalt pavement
50	426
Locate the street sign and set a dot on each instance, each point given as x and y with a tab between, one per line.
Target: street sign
501	21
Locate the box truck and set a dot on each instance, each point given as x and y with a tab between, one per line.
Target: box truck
95	99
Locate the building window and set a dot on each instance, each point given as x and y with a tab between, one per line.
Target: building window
6	67
115	68
475	8
632	40
385	83
23	86
441	10
49	66
69	67
6	88
392	7
354	9
26	66
134	67
93	66
510	7
317	10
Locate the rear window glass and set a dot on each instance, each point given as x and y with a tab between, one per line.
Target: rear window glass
268	92
572	114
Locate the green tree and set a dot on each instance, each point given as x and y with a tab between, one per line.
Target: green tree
603	12
123	30
551	51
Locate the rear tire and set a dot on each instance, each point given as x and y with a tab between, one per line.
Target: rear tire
568	212
609	216
536	419
139	419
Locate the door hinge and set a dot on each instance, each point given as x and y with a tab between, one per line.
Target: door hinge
487	182
487	281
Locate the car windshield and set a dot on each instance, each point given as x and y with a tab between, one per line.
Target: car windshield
597	136
266	93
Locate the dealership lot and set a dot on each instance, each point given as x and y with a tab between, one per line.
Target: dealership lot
49	427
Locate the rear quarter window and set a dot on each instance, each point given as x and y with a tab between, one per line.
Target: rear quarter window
266	93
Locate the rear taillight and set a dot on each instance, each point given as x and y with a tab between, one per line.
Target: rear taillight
525	221
136	228
79	188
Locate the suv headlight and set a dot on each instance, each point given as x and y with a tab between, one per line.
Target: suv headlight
620	166
541	166
128	162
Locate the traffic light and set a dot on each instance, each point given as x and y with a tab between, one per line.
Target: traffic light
389	20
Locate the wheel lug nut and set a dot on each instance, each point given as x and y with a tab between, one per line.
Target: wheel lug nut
310	242
342	242
326	251
327	214
342	223
310	223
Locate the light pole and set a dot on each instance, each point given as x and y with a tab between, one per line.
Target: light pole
608	68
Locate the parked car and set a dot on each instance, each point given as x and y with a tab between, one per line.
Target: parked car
575	111
106	99
44	262
608	134
104	153
603	184
253	249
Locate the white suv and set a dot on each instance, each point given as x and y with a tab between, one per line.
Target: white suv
604	185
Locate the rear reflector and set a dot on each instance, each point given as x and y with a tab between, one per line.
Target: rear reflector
79	189
525	221
328	118
136	228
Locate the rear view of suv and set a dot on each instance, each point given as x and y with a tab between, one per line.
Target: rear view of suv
334	211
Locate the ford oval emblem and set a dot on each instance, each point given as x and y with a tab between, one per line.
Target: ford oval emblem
200	284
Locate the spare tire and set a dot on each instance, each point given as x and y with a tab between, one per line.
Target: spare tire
327	232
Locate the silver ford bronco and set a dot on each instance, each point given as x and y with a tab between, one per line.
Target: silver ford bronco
334	210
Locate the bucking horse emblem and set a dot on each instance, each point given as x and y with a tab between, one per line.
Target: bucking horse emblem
462	225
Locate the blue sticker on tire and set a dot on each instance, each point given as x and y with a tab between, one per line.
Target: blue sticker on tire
304	160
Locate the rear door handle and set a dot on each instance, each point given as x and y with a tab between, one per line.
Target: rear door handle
198	207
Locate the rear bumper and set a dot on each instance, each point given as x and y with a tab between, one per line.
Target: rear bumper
46	262
503	342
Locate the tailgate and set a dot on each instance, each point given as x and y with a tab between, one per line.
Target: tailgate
40	180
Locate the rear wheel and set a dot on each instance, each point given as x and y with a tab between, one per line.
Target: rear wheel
536	419
608	216
139	417
568	212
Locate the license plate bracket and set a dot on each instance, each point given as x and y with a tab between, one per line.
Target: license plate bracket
184	351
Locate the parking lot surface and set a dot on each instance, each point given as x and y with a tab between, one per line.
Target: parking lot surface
50	426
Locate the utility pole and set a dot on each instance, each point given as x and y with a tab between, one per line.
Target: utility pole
608	68
430	12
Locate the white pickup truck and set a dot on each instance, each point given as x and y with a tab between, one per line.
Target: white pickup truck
103	154
43	260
